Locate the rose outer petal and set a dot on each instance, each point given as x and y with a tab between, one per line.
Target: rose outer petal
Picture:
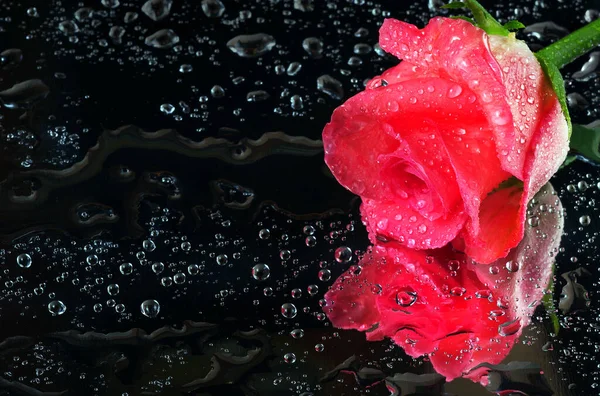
527	123
415	123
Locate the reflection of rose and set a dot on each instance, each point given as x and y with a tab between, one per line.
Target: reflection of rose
428	141
439	302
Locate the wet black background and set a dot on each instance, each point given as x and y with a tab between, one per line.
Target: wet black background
107	87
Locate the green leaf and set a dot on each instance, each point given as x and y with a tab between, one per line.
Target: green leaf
513	25
586	141
454	6
558	84
484	20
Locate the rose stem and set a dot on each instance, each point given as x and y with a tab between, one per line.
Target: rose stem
571	47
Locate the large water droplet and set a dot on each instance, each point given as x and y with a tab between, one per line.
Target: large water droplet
289	358
251	45
213	8
261	272
24	260
512	266
343	254
126	268
68	27
303	5
454	91
83	14
157	9
150	308
289	311
111	3
585	220
509	328
330	86
164	38
406	298
10	58
313	46
257	96
57	307
24	94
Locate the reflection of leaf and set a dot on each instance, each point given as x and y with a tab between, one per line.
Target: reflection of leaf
549	305
570	159
586	140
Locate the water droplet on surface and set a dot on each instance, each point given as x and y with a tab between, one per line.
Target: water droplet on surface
157	268
293	68
113	289
251	45
213	8
126	268
406	298
222	259
164	38
533	221
585	220
458	291
10	58
116	33
512	266
289	358
303	5
313	46
330	87
148	245
68	27
509	328
24	94
343	254
83	14
130	17
24	260
261	272
324	275
217	91
319	347
110	3
454	91
157	9
289	311
150	308
257	96
57	307
33	12
483	294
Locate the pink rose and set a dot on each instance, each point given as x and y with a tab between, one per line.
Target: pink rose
429	142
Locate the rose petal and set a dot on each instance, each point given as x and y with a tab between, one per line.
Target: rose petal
459	50
523	281
536	113
400	222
